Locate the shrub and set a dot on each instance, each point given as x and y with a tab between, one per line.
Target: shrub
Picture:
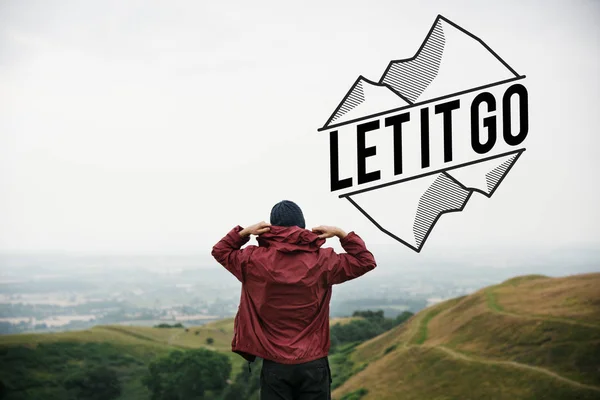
356	395
187	375
373	323
94	383
390	349
163	325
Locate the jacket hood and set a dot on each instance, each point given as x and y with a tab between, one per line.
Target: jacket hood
290	238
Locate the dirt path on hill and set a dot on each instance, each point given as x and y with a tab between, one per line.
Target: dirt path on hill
412	331
129	333
416	327
548	318
544	371
148	338
497	308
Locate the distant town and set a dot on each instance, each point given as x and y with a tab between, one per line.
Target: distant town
49	293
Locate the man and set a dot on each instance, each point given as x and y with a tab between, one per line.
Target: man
283	316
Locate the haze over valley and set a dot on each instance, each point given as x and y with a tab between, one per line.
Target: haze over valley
44	293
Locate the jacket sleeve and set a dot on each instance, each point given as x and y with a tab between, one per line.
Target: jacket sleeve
229	253
355	262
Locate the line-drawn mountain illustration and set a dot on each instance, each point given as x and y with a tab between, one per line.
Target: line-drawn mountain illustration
450	61
412	76
484	176
366	98
431	197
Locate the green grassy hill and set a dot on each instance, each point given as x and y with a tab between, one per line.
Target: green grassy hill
530	337
37	364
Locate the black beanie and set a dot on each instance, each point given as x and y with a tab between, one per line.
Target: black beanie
287	213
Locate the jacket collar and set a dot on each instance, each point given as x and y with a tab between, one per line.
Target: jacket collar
289	239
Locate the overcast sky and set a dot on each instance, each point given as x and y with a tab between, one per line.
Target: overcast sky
155	127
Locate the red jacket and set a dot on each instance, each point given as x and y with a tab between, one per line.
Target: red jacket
283	314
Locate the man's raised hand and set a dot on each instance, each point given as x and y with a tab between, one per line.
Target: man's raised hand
256	229
326	232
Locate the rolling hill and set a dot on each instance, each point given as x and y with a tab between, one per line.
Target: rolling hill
531	337
35	365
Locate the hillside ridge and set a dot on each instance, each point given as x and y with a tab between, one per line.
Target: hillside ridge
542	340
517	365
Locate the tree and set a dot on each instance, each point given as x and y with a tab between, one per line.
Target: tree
245	385
375	316
334	341
187	375
210	341
163	325
402	317
235	391
356	331
94	383
373	323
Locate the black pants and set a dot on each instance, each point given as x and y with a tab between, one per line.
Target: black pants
307	381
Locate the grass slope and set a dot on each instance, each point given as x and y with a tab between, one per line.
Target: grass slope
132	342
530	337
127	349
